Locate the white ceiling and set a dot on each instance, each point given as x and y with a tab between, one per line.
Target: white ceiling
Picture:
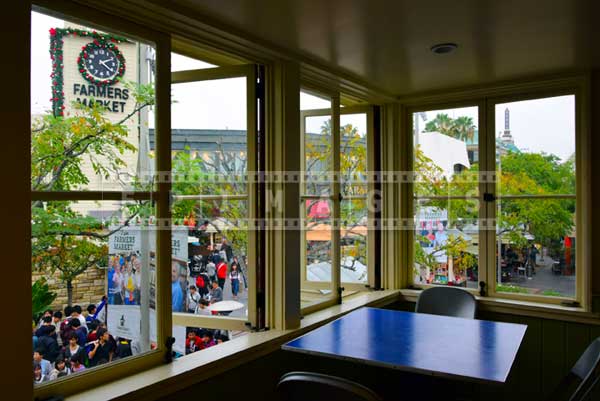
387	42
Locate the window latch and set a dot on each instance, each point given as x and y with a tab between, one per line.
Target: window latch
169	349
488	197
482	291
340	291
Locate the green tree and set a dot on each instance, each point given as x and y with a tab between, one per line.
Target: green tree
547	219
442	123
41	298
196	175
353	212
461	128
62	239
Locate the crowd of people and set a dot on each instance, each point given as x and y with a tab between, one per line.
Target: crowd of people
199	339
206	280
68	343
124	279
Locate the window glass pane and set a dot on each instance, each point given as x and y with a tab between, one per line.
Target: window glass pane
446	155
317	281
446	165
210	273
354	212
535	236
91	93
446	247
209	138
313	102
536	244
535	146
353	240
353	153
179	62
93	273
318	157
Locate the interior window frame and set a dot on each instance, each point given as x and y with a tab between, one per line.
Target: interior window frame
159	196
486	99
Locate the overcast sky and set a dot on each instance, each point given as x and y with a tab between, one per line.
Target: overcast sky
541	125
546	125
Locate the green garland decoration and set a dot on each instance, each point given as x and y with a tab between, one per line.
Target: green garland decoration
84	55
56	54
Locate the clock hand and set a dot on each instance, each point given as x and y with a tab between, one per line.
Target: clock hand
103	62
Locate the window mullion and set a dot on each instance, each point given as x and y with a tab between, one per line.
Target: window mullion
336	191
163	166
487	226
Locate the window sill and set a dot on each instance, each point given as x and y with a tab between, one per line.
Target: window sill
523	308
189	370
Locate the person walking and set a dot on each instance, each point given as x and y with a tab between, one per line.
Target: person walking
221	273
234	278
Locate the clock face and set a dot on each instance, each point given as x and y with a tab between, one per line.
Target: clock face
102	63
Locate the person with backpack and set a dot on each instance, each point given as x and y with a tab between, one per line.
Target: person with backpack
123	349
211	270
47	343
193	299
80	331
221	273
202	281
65	329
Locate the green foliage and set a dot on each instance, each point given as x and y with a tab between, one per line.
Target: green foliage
195	175
552	293
547	219
63	240
536	174
41	298
511	288
461	128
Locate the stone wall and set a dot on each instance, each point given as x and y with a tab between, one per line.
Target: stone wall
87	288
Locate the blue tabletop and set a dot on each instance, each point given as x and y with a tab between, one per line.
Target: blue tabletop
417	342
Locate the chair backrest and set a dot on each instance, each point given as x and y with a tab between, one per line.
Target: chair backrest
305	386
582	378
447	301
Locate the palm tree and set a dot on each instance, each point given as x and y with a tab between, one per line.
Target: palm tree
442	123
464	128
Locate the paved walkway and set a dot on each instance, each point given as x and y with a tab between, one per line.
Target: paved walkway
546	280
242	297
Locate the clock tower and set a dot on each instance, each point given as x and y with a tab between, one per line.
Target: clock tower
93	67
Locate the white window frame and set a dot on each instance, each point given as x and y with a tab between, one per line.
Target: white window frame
339	289
486	99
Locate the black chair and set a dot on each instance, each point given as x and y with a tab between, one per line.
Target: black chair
583	378
447	301
307	386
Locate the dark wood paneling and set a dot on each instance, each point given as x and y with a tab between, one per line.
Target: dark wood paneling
577	340
552	358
